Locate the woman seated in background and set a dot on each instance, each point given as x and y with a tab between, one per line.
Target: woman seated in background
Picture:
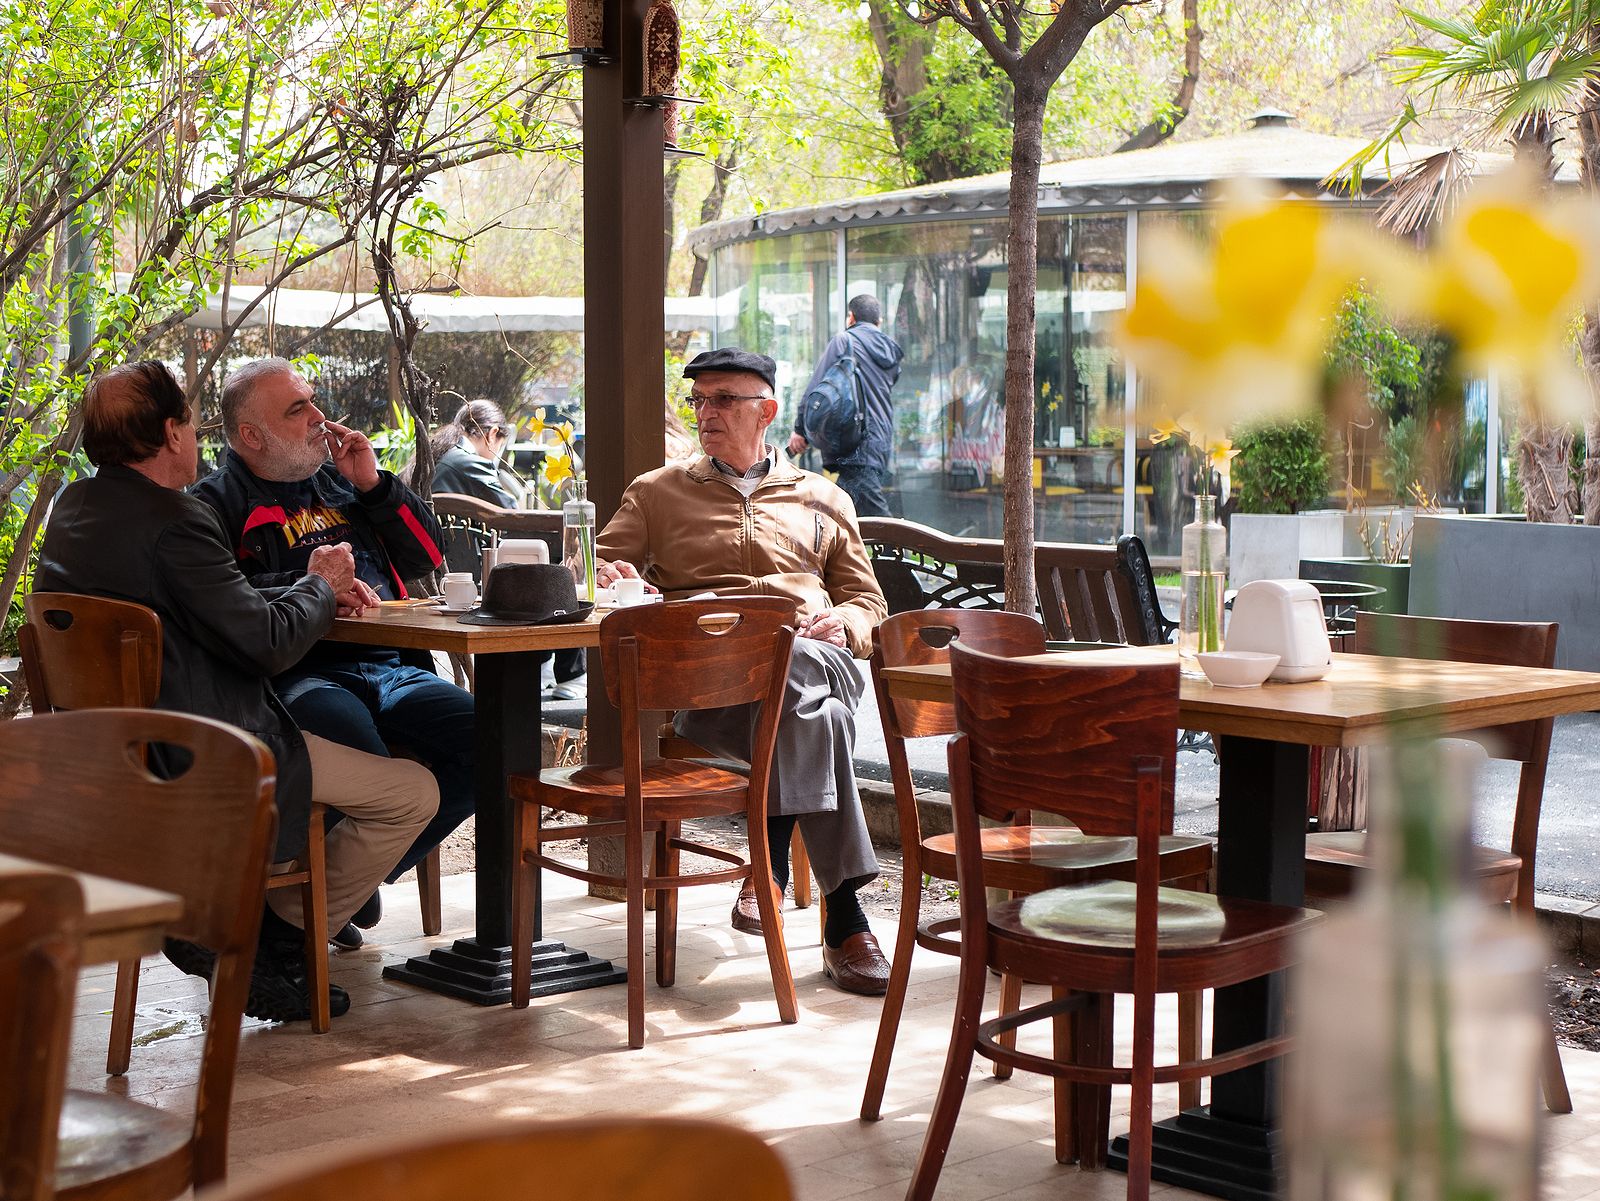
467	453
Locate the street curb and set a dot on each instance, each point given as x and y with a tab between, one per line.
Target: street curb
1571	926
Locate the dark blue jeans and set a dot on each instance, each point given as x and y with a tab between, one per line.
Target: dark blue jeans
372	705
864	486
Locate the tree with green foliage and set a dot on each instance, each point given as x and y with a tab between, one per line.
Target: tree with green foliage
1032	48
214	150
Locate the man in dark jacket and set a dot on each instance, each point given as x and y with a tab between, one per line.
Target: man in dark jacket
293	481
129	533
878	356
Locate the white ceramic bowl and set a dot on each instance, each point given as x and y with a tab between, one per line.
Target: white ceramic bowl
1237	669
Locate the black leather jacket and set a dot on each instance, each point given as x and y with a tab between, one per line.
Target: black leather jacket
123	536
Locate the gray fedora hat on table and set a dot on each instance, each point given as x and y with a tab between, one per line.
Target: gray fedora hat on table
529	594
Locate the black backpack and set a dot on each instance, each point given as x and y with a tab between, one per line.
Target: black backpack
833	414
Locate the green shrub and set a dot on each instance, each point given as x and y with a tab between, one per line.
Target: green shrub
1282	467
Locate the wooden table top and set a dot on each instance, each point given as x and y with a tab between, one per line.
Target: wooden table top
423	627
121	920
1363	699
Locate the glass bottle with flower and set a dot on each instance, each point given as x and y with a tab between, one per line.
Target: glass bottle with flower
1205	543
577	512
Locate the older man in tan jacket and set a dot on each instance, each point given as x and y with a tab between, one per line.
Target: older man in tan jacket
742	520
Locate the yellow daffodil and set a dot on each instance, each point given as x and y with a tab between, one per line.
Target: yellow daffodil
564	432
1167	429
1238	330
556	469
1508	274
536	427
1219	453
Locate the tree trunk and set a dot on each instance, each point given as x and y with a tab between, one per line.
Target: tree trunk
1589	159
903	47
1543	455
1543	451
1164	125
1022	274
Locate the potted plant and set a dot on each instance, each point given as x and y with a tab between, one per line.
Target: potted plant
1281	476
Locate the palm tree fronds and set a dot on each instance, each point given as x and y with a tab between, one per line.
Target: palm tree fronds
1348	174
1424	190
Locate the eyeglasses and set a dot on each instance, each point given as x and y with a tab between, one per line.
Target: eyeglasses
721	402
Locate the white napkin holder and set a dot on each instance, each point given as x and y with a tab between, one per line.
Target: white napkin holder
522	550
1284	618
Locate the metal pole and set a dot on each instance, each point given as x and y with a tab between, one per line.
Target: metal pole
1130	384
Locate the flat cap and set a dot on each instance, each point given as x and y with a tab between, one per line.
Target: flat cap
731	358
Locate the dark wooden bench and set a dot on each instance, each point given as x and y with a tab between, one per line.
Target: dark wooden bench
1087	592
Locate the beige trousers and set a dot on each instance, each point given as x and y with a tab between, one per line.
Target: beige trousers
385	803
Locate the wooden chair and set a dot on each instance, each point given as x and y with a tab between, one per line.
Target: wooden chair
41	928
75	790
1097	745
673	745
1060	854
597	1159
1334	860
740	649
67	644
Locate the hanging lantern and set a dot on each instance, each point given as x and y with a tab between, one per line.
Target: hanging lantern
661	63
585	25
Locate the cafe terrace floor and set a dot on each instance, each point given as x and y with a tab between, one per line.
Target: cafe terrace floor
405	1062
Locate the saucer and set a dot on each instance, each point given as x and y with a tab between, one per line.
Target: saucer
452	610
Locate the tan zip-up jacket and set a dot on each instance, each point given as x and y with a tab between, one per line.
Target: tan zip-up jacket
688	530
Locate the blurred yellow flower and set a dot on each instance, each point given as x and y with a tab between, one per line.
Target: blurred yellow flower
536	427
1236	332
564	432
557	468
1508	274
1219	453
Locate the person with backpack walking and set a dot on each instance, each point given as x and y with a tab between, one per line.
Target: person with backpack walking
846	411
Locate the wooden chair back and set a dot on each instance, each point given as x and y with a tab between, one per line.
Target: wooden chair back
41	931
1064	737
88	652
597	1159
1514	644
924	636
75	790
1511	643
702	654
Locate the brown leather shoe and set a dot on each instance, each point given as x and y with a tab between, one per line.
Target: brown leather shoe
746	914
858	965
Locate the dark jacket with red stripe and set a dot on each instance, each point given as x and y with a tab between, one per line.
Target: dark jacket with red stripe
391	522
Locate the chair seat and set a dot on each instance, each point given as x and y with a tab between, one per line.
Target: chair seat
1333	858
673	789
104	1136
1028	858
1204	941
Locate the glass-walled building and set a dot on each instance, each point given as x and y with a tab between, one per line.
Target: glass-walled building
936	258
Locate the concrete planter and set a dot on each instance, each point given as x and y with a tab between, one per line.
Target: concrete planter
1269	546
1496	569
1393	578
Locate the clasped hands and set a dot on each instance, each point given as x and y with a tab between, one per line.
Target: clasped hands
337	565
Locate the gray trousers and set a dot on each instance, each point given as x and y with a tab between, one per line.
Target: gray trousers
813	768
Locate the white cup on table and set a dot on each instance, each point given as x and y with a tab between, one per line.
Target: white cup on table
629	591
459	590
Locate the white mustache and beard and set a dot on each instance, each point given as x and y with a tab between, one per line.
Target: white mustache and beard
287	462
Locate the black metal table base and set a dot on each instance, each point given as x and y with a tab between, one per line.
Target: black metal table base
471	972
1212	1155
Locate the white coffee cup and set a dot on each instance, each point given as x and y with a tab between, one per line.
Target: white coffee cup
629	591
459	590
